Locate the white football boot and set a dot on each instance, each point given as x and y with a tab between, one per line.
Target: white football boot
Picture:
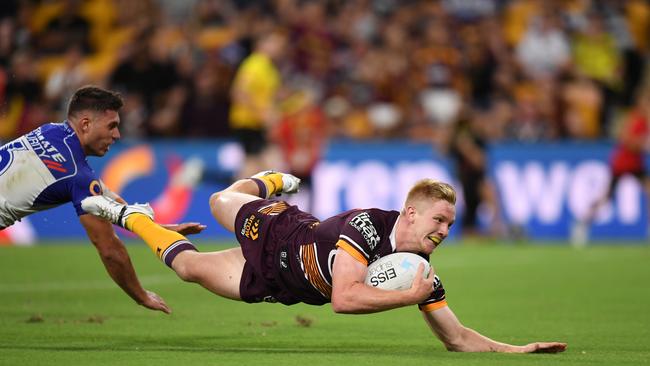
113	211
290	183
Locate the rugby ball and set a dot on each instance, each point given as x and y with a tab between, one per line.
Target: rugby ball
395	271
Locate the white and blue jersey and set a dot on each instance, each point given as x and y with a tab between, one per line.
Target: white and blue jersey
42	169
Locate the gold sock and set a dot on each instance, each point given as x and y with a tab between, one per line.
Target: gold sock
273	183
158	238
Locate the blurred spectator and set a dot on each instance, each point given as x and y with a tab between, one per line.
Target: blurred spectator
65	26
301	135
23	108
205	111
627	159
597	56
544	50
254	110
582	104
145	75
8	16
67	78
530	121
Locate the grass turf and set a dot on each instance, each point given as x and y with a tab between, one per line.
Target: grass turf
58	307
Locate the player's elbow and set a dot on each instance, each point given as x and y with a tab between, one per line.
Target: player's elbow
109	248
343	305
109	255
105	245
340	307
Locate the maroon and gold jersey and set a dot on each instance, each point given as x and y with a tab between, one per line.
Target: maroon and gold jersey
290	254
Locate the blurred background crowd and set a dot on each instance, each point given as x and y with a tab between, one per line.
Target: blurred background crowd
284	76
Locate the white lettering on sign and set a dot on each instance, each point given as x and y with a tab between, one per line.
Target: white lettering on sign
532	191
339	186
542	192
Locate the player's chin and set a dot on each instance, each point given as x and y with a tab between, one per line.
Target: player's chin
98	152
103	151
428	247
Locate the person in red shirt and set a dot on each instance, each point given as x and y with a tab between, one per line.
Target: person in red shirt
627	158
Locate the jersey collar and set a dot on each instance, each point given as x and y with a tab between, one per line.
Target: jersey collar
393	234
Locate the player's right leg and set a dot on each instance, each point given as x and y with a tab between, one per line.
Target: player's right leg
225	204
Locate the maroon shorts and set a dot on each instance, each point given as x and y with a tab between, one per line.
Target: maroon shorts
265	229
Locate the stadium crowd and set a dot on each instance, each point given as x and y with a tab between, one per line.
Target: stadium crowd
457	74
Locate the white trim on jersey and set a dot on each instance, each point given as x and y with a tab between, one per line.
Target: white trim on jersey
354	243
393	236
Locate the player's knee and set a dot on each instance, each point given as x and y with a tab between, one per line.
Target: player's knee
185	267
216	200
185	271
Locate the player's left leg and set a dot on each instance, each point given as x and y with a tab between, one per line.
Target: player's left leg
225	204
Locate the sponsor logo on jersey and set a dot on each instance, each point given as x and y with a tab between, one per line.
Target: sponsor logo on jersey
270	299
44	149
6	154
251	227
362	223
436	282
284	263
53	165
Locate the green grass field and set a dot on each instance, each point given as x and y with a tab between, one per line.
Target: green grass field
58	307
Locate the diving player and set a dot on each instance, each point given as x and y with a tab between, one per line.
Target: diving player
47	167
288	256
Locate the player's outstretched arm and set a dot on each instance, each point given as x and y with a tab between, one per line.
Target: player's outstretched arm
117	262
456	337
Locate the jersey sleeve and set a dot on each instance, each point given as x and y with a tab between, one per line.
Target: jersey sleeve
84	184
437	299
359	237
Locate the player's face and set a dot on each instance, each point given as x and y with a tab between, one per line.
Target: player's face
101	132
432	223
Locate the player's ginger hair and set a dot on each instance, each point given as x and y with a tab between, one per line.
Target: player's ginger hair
429	189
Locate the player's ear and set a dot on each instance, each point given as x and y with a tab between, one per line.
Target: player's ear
85	124
410	213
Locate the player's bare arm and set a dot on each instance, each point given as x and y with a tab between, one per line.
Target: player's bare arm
456	337
118	265
351	295
186	228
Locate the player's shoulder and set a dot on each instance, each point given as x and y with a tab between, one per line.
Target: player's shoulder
55	129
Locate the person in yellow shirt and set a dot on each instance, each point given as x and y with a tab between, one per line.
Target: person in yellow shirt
254	109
